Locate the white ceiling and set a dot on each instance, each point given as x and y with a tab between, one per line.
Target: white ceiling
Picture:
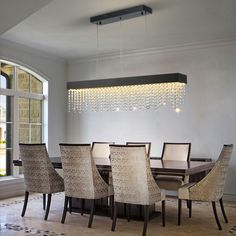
13	11
63	27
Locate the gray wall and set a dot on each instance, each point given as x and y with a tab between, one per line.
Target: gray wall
52	69
208	115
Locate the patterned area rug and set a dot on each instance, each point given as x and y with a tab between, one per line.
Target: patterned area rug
24	230
232	231
28	231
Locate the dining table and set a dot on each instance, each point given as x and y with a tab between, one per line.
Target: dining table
157	165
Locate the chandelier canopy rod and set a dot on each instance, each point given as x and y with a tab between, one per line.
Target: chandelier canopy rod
119	15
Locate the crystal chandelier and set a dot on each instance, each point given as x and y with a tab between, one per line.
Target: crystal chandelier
127	94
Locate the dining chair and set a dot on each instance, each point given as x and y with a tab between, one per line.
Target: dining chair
81	177
39	174
147	146
133	181
174	152
210	188
148	150
101	149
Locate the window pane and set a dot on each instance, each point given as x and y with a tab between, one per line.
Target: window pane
36	85
6	75
5	108
5	135
36	134
23	81
24	110
35	111
5	154
24	133
3	162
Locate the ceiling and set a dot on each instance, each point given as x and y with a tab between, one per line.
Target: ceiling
63	28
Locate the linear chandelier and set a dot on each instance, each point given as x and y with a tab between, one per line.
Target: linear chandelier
127	93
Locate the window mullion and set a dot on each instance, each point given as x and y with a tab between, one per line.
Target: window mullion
15	125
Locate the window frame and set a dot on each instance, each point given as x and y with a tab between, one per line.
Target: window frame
16	94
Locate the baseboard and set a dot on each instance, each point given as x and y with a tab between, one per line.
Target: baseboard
230	197
11	187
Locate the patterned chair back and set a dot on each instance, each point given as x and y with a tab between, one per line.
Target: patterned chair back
101	149
211	188
176	151
132	178
39	173
147	146
81	177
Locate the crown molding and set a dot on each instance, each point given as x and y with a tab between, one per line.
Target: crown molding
31	50
157	50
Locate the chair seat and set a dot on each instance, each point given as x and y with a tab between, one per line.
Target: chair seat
169	182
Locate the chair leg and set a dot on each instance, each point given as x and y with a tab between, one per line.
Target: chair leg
223	210
82	206
190	208
163	204
91	213
216	216
44	201
25	203
70	204
65	210
114	216
179	211
146	218
48	206
112	205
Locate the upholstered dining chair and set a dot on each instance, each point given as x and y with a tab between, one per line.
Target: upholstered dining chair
133	181
101	149
39	174
148	151
178	152
147	146
81	177
210	188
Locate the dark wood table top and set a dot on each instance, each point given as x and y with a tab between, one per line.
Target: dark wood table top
158	166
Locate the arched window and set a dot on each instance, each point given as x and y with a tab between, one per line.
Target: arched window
22	105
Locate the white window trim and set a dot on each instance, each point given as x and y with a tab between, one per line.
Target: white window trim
20	94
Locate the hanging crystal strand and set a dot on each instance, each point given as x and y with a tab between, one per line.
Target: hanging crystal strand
111	104
79	100
73	100
99	100
88	99
82	100
69	100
